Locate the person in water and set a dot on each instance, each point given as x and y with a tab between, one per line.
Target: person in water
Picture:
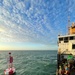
10	61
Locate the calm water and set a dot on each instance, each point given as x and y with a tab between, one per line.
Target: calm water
31	62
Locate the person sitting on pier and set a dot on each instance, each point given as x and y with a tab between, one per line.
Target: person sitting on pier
60	70
67	70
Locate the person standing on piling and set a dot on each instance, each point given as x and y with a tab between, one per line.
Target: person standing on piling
10	60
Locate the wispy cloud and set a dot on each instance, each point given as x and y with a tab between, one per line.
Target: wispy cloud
33	20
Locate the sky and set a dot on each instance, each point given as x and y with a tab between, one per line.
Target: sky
34	24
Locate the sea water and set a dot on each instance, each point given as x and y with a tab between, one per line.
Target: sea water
31	62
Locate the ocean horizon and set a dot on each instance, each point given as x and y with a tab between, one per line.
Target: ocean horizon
31	62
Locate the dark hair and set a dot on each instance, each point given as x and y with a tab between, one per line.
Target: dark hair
9	52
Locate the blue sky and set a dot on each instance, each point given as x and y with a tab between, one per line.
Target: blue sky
33	24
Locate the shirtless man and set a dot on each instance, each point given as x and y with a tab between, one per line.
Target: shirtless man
10	61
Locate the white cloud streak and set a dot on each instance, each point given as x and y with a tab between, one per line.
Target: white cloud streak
29	21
